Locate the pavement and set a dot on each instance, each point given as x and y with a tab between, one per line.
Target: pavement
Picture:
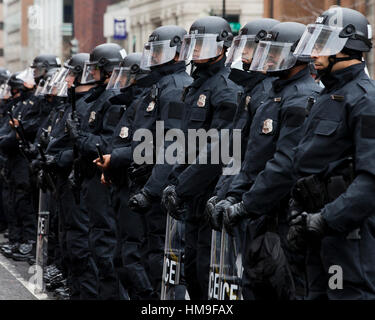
15	280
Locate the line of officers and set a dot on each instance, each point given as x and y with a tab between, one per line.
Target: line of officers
302	202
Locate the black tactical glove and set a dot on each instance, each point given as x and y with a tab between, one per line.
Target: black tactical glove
141	202
294	210
216	219
50	163
31	151
315	224
233	216
305	228
172	204
35	166
73	125
210	207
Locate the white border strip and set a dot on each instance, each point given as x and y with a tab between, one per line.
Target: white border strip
12	270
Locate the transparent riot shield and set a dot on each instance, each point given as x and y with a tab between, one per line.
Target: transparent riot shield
42	242
173	287
230	267
214	278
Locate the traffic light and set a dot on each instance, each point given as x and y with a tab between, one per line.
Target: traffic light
75	46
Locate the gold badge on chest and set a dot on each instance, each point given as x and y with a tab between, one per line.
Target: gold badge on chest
92	117
267	126
202	101
124	132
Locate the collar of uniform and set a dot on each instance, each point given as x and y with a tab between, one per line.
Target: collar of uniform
127	96
160	72
207	70
279	84
96	93
248	80
341	77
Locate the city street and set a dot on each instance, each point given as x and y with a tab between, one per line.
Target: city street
14	278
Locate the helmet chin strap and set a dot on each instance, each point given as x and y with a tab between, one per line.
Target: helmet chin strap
332	61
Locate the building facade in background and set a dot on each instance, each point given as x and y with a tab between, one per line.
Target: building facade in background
1	33
15	33
143	16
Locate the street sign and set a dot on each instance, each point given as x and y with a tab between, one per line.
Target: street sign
120	30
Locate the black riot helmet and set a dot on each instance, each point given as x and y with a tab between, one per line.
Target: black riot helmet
163	45
105	58
244	45
75	65
16	84
43	63
207	39
128	72
275	53
4	75
336	30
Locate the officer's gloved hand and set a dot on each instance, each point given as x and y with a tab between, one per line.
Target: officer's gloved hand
35	166
50	162
141	202
31	151
73	125
210	207
172	204
216	220
294	210
315	224
306	227
233	215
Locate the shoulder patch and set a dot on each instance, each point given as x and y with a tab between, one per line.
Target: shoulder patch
368	126
295	116
113	118
227	111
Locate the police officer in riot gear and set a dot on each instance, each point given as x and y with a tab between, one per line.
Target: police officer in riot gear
130	225
275	129
22	222
256	88
334	224
96	127
42	64
210	102
74	224
4	96
161	104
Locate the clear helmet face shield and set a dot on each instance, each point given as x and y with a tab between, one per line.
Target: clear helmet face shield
5	91
196	47
87	74
125	78
157	53
40	87
27	76
241	51
113	78
62	90
271	56
320	40
57	81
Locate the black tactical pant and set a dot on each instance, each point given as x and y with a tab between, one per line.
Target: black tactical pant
82	271
197	249
3	212
96	201
22	217
131	247
156	221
